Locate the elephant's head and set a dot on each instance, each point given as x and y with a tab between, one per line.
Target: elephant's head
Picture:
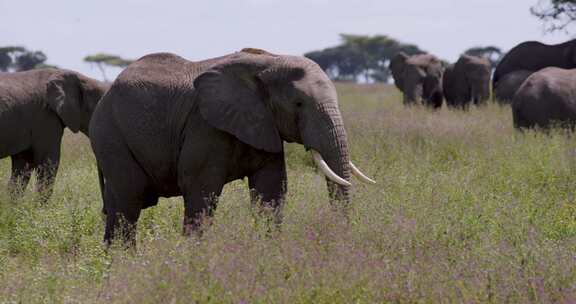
419	77
265	99
397	67
74	97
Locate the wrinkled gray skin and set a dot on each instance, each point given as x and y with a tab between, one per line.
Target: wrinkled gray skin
534	56
467	81
546	99
419	77
35	107
509	84
171	127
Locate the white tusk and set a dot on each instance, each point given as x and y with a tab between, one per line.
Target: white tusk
361	175
327	171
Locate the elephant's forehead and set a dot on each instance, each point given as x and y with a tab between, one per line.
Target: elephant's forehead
422	60
319	88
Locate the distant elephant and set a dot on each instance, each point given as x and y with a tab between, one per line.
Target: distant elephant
467	81
534	56
419	77
35	107
171	127
546	99
509	84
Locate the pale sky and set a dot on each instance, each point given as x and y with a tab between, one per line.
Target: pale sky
68	30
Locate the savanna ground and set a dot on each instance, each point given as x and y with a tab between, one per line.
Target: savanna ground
465	210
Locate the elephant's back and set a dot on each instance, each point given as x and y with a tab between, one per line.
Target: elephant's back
476	63
546	96
141	105
23	111
532	56
147	104
25	83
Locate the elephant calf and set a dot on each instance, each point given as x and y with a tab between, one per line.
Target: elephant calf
419	77
467	81
547	98
171	127
35	107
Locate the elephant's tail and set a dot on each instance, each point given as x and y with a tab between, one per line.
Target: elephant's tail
102	190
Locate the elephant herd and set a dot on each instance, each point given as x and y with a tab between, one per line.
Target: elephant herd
537	80
172	127
425	79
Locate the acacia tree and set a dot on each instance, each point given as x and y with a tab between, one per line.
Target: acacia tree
102	60
556	14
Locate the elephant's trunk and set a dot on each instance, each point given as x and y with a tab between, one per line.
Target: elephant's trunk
331	143
338	159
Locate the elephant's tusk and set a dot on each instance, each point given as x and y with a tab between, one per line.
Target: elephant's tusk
361	176
327	171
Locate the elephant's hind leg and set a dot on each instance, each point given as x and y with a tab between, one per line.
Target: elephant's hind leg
22	166
124	196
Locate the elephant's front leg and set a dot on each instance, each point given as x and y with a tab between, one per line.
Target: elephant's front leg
200	198
22	166
268	187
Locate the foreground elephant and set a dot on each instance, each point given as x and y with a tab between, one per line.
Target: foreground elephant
509	84
467	81
171	127
35	107
419	77
546	99
534	56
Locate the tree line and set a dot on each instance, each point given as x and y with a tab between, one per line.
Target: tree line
361	58
357	59
18	59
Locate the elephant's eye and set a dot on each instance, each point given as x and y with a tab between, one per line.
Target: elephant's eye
299	104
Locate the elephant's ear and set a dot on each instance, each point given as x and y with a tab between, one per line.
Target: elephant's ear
234	103
64	98
397	67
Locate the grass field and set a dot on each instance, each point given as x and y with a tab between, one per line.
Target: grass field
465	210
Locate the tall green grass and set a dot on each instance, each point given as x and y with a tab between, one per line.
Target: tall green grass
465	210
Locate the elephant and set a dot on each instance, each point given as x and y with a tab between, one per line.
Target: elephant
534	56
35	107
546	99
169	127
467	81
509	84
419	78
